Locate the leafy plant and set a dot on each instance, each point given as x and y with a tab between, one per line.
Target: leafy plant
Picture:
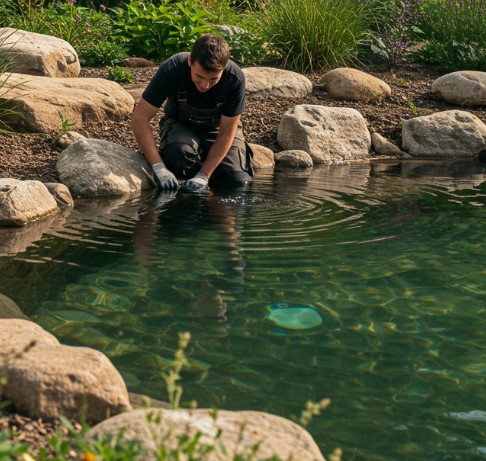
247	48
308	35
158	31
65	126
120	74
456	33
102	53
397	30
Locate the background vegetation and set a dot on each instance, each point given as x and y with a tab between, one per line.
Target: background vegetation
303	35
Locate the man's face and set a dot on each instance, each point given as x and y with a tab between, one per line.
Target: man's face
201	78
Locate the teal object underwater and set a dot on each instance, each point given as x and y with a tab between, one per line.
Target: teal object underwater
293	317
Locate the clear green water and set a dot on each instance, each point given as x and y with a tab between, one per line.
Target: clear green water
392	258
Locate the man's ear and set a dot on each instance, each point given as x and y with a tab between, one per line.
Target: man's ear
189	61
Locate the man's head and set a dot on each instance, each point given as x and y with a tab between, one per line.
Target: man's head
208	59
212	52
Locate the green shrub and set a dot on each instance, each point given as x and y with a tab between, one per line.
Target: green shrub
308	35
102	53
456	33
158	31
120	74
247	48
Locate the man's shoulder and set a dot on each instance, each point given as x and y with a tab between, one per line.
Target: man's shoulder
233	69
175	61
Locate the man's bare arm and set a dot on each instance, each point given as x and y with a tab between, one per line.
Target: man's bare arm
141	117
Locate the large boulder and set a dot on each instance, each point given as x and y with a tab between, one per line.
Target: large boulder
24	201
242	432
464	88
94	167
447	134
52	380
277	82
354	85
327	134
39	102
38	54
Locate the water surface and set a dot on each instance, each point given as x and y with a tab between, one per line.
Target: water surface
390	257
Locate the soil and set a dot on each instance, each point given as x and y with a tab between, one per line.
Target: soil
34	156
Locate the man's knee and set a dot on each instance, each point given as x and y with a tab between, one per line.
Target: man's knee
181	158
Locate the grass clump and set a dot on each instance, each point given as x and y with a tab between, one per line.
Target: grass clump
308	35
456	34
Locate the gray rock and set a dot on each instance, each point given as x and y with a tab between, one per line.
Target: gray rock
278	82
94	167
464	87
38	54
241	432
294	158
24	201
447	134
327	134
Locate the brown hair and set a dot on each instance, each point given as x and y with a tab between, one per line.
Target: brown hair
211	51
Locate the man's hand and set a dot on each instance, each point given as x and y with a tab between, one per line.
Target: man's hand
164	178
199	183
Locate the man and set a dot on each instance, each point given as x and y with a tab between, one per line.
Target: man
200	134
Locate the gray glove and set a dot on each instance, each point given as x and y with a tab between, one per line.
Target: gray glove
199	183
164	178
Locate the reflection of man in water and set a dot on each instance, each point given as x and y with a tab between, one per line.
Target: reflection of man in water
205	227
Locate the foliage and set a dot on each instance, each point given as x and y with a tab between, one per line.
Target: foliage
307	35
102	53
75	444
397	30
156	31
86	29
65	126
247	48
120	74
6	108
456	33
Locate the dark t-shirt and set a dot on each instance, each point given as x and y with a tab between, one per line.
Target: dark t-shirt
166	84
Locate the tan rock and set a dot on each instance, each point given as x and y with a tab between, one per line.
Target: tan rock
38	54
382	146
355	85
327	134
49	381
40	100
16	335
61	194
464	88
278	82
10	310
94	167
294	158
69	138
241	432
263	157
24	201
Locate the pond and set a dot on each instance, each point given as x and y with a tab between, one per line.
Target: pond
364	284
